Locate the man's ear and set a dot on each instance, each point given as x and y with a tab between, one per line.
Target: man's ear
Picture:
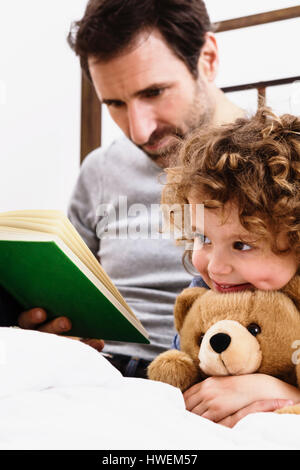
292	290
208	62
184	302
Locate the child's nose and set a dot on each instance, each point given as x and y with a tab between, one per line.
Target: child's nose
219	265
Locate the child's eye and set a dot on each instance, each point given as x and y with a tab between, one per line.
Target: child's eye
201	238
206	240
241	246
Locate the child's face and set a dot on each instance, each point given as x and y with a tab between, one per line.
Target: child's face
229	263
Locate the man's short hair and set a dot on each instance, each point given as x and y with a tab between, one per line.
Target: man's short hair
108	27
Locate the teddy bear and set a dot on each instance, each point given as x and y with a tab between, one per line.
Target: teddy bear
233	334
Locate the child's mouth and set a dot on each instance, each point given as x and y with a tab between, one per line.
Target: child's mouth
226	288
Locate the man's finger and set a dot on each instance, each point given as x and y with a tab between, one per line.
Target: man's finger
97	344
57	326
32	318
255	407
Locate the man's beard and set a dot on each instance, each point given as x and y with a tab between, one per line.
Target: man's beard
199	114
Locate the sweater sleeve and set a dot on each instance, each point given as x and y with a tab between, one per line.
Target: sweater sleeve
9	309
197	281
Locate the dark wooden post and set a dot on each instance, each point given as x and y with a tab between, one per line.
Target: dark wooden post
261	96
90	118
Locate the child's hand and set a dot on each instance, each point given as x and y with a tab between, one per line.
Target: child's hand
226	400
261	406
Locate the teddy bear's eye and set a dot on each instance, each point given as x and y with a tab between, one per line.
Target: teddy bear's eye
200	338
254	329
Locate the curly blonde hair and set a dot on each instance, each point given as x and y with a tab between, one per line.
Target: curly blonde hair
253	163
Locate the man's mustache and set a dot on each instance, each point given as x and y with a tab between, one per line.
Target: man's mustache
158	135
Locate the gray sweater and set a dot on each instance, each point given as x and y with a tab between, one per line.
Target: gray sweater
148	271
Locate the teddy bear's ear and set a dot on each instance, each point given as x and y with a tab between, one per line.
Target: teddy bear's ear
292	290
184	302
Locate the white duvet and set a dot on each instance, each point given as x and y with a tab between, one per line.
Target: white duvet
57	393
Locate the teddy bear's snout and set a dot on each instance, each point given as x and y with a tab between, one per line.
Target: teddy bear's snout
220	342
229	348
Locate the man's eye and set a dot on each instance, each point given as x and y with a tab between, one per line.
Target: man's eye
114	104
241	246
153	92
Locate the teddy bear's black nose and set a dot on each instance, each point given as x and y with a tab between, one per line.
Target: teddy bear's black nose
219	342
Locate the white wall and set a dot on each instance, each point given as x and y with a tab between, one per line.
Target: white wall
39	104
40	89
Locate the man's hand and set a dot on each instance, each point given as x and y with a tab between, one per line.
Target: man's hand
36	319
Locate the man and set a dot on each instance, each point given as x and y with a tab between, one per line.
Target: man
154	65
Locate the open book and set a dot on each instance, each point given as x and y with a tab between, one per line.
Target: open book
45	263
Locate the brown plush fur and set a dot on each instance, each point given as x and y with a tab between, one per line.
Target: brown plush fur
201	314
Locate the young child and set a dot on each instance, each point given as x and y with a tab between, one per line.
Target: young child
247	176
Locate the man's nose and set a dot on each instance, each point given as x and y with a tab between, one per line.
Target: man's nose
141	122
219	264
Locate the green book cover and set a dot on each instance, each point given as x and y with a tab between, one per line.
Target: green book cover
41	274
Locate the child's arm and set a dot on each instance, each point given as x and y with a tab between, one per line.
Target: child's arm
219	398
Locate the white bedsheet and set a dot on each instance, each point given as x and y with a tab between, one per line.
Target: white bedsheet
57	393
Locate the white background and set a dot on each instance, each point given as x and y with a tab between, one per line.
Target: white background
40	89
